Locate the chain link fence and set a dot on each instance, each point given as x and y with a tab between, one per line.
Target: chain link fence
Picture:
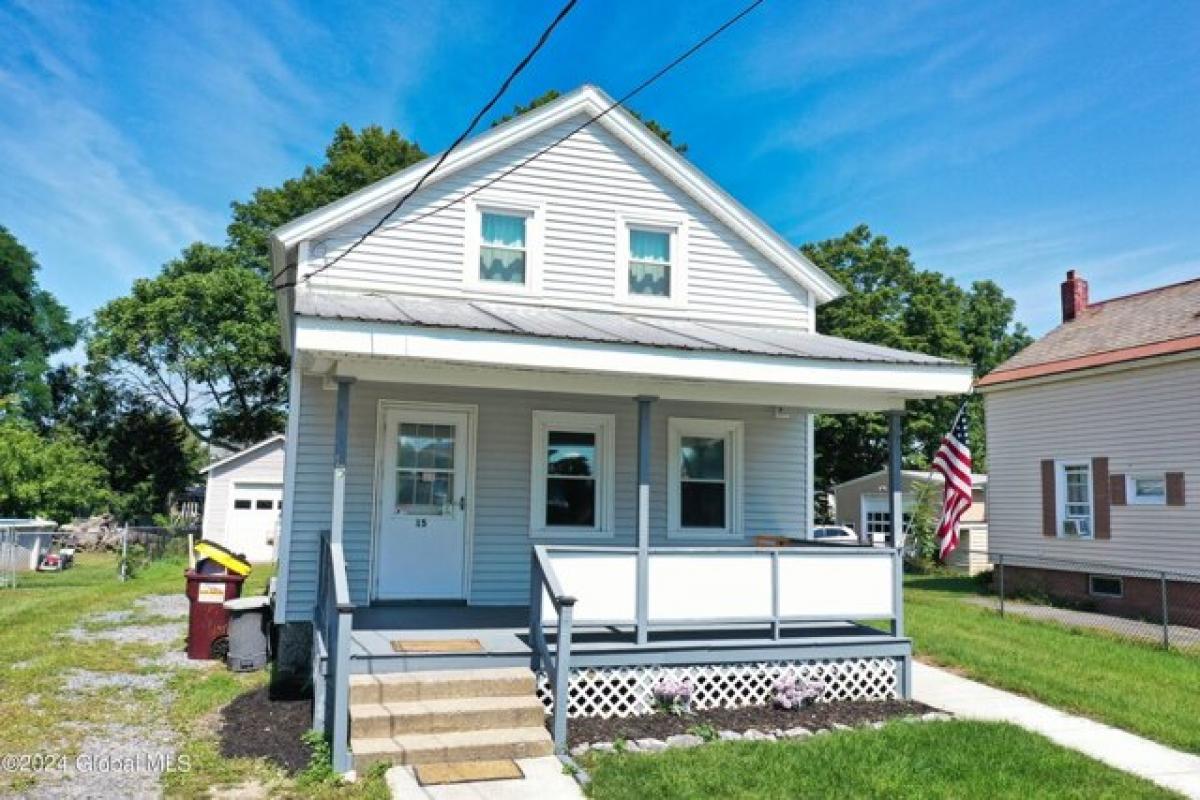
142	545
1160	606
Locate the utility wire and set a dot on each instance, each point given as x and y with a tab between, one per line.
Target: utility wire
562	14
685	55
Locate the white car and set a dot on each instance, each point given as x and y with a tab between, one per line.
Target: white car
834	534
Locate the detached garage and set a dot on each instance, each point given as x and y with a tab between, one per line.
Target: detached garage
244	499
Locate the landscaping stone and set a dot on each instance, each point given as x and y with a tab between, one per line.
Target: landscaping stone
684	740
797	733
753	735
604	747
729	736
837	726
579	749
651	745
936	716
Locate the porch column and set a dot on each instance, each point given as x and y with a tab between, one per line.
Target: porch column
643	518
895	484
341	449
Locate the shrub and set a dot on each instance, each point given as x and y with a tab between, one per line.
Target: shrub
673	696
792	693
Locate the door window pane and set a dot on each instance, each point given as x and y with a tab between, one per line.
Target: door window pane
425	469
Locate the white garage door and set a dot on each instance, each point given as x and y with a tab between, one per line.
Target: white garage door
253	524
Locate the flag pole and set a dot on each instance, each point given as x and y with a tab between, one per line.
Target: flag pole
929	478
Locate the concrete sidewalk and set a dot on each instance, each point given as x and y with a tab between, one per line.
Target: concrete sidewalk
969	699
544	780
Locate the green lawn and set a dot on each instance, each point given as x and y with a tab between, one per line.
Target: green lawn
902	760
1131	685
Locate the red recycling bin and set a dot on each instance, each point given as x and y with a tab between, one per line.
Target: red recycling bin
208	621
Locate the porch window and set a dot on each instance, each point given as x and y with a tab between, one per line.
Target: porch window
705	469
572	479
1075	499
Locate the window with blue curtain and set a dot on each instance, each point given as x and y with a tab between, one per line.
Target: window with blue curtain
502	248
649	263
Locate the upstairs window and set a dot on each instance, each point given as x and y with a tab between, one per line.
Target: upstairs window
651	268
502	247
649	262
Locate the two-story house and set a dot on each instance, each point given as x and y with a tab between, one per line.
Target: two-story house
1093	441
537	419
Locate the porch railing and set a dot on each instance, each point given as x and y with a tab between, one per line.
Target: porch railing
333	615
702	587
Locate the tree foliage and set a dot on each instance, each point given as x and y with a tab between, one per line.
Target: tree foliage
891	302
51	475
33	326
201	339
553	94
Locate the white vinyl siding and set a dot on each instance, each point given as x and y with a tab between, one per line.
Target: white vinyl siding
1145	420
583	189
774	485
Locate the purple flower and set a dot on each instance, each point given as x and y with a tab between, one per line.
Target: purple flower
673	696
792	693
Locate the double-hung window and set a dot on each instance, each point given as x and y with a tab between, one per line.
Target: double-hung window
650	262
704	492
503	245
1075	499
573	474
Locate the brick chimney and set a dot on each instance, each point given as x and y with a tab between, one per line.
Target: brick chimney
1074	296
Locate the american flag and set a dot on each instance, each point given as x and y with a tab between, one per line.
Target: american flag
953	461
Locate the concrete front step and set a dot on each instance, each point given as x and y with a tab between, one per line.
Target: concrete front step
399	687
431	748
452	714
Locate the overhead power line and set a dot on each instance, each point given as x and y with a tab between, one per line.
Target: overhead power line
517	70
620	102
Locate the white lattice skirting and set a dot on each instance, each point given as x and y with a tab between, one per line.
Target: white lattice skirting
629	691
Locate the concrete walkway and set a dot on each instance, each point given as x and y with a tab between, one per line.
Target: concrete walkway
1180	636
1125	751
544	779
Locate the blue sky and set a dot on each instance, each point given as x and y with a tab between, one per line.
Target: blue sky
996	140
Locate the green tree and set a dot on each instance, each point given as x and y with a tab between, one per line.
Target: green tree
51	475
149	455
33	326
553	94
891	302
201	339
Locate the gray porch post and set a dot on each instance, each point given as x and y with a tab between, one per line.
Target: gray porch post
341	450
895	484
339	648
643	518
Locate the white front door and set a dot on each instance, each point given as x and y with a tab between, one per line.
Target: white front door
420	551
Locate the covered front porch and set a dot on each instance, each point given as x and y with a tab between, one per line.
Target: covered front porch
690	462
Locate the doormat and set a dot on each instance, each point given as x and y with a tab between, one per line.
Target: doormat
436	646
467	771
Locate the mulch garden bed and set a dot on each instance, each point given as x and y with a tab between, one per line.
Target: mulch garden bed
763	718
255	726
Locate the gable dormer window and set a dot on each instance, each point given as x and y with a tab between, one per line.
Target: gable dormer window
650	263
503	245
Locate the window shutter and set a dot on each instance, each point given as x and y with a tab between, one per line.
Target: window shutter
1049	500
1175	491
1116	489
1100	509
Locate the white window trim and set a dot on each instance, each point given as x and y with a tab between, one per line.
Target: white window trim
1131	495
534	214
1060	493
604	426
733	431
1092	585
676	227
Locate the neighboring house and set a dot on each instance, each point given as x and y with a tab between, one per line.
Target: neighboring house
570	398
862	504
1093	437
244	498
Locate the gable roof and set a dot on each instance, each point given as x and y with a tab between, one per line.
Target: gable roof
254	448
585	100
1122	329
